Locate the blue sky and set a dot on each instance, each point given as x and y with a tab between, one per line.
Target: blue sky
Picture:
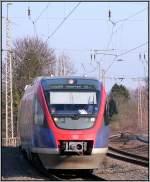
86	29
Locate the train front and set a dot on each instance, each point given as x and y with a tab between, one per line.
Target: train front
75	135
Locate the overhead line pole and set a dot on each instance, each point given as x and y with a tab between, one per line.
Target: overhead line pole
8	92
6	88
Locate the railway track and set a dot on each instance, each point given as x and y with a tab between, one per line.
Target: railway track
128	157
127	137
23	170
68	175
75	176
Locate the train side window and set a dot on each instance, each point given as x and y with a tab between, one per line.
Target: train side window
38	115
106	114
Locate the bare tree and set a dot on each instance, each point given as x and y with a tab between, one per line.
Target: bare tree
33	55
64	66
31	58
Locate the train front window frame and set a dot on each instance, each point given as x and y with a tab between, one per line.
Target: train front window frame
87	109
74	121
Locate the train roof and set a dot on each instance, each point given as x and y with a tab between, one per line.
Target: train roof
46	80
65	77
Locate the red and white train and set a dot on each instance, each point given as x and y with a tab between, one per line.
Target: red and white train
62	122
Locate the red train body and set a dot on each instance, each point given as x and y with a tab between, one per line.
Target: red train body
61	120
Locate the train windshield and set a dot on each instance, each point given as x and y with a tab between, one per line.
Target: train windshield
73	109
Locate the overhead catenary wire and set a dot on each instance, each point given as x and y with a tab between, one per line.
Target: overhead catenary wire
89	71
122	20
126	52
36	19
107	47
131	16
125	19
61	23
114	31
128	18
72	19
109	40
125	78
32	21
130	50
34	28
48	23
84	50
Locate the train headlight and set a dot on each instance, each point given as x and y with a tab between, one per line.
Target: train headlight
55	119
59	120
92	119
71	81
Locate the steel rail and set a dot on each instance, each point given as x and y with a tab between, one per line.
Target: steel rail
130	137
128	157
140	138
128	154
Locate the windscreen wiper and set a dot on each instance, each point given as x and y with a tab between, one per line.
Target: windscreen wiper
75	115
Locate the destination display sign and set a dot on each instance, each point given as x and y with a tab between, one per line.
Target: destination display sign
72	86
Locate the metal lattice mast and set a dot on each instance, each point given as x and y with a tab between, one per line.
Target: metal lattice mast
140	114
9	94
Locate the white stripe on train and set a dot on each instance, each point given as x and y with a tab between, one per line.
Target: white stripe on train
56	150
